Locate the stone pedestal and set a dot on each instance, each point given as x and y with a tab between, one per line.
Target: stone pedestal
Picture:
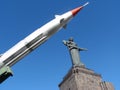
81	78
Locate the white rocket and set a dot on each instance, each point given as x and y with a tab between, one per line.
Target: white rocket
32	41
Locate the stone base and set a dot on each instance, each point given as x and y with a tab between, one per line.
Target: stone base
81	78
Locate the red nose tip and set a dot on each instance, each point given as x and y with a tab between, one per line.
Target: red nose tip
76	10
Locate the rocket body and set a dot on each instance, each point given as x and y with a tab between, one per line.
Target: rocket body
32	41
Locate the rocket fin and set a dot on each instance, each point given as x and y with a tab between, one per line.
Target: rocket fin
56	16
65	26
62	20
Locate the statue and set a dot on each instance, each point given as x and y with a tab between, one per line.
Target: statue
74	52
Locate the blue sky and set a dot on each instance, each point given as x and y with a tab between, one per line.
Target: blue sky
96	27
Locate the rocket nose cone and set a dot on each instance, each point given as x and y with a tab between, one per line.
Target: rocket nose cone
76	10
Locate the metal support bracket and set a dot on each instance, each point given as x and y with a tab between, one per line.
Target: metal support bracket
5	72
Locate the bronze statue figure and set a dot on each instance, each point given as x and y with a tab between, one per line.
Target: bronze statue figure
74	52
